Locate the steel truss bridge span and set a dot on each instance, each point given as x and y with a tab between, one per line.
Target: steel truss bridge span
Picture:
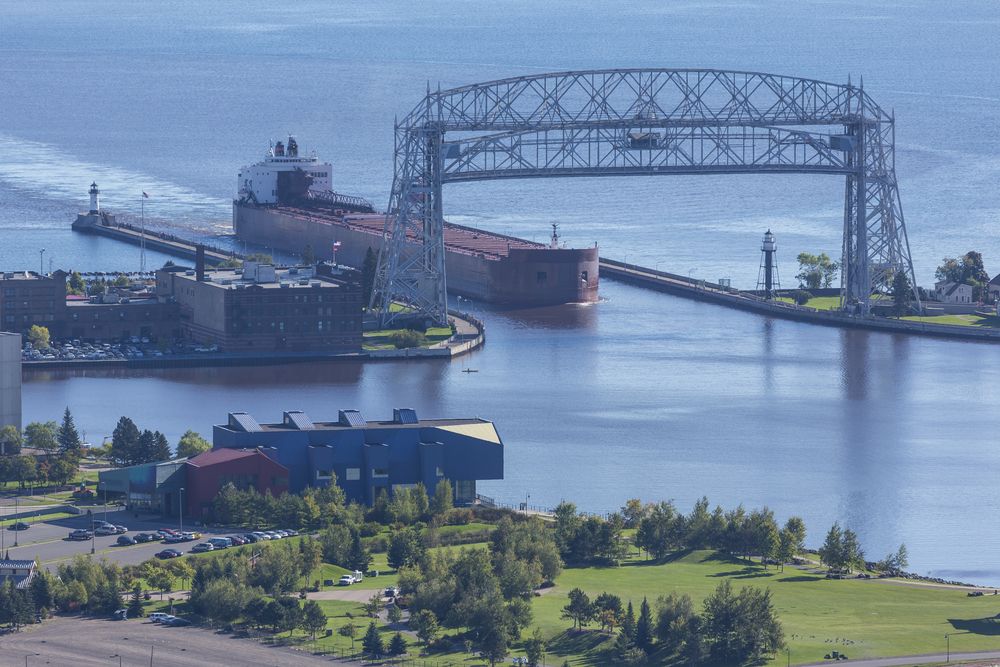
640	122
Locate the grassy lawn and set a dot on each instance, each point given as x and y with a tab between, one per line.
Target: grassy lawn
958	320
817	302
862	618
381	338
51	516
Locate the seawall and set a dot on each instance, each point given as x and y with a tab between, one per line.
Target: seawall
700	290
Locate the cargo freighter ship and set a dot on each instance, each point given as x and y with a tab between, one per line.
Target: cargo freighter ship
286	201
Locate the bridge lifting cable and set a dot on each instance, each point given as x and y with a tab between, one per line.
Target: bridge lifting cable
639	122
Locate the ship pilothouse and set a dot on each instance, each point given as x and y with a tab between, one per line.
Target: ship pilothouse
284	175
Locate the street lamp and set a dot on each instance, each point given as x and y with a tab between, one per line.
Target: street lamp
947	639
117	655
15	520
180	510
93	537
41	262
26	657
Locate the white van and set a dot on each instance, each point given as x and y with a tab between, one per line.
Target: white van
158	616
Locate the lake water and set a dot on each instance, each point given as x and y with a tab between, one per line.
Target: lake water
640	395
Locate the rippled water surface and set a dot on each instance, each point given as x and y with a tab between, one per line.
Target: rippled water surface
639	395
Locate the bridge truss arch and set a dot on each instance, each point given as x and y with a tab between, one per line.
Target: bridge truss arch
626	122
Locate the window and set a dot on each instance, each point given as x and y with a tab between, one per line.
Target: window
439	472
322	474
541	277
380	472
353	474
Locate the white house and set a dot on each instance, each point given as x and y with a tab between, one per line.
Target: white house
994	288
949	292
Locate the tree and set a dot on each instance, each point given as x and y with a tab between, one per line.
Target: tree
628	623
534	648
67	436
39	337
368	268
374	605
443	499
308	255
261	257
135	603
313	618
740	629
801	296
405	548
62	470
349	630
124	441
968	270
425	624
852	555
42	435
358	558
902	559
579	608
10	440
633	512
41	591
831	553
393	613
644	627
902	294
816	271
22	468
398	645
191	444
372	644
76	284
160	578
674	620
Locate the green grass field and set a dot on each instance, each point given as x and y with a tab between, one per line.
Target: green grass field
817	302
381	338
862	618
958	320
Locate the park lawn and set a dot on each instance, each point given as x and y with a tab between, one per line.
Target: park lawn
862	618
958	320
34	518
817	302
380	339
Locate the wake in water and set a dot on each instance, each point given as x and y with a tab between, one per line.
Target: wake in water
45	171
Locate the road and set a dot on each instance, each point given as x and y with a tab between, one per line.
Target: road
987	658
81	642
46	541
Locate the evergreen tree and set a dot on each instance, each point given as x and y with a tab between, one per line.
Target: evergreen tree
628	623
135	603
579	608
644	627
124	442
398	645
41	592
831	553
358	558
308	255
313	618
69	439
372	644
161	448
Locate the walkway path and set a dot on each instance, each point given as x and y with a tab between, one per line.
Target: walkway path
988	658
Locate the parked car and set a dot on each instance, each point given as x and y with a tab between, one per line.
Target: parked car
80	534
121	615
173	539
20	525
168	553
102	531
220	542
202	547
250	538
159	616
190	536
261	535
176	622
125	541
146	537
292	533
391	592
346	580
237	540
121	530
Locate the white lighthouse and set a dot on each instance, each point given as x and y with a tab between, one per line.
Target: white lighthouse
95	198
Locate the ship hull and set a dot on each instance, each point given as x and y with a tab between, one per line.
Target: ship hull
480	265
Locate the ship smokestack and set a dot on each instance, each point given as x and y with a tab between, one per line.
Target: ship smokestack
199	262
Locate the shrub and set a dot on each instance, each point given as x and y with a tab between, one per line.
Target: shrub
408	338
801	296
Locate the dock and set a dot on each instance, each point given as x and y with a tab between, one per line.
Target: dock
165	243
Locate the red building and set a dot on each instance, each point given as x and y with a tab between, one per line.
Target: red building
245	468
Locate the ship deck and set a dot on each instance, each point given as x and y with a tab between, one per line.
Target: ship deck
457	238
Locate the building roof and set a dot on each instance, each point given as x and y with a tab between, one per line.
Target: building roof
996	280
287	277
214	456
21	581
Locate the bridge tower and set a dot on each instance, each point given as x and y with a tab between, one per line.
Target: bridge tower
625	122
767	278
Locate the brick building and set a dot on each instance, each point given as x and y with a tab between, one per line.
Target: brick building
245	469
28	298
264	308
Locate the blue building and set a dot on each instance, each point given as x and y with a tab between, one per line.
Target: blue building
369	456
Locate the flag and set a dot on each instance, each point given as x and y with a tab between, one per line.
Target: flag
336	245
145	196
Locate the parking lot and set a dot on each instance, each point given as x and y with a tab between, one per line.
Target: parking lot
84	641
47	541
